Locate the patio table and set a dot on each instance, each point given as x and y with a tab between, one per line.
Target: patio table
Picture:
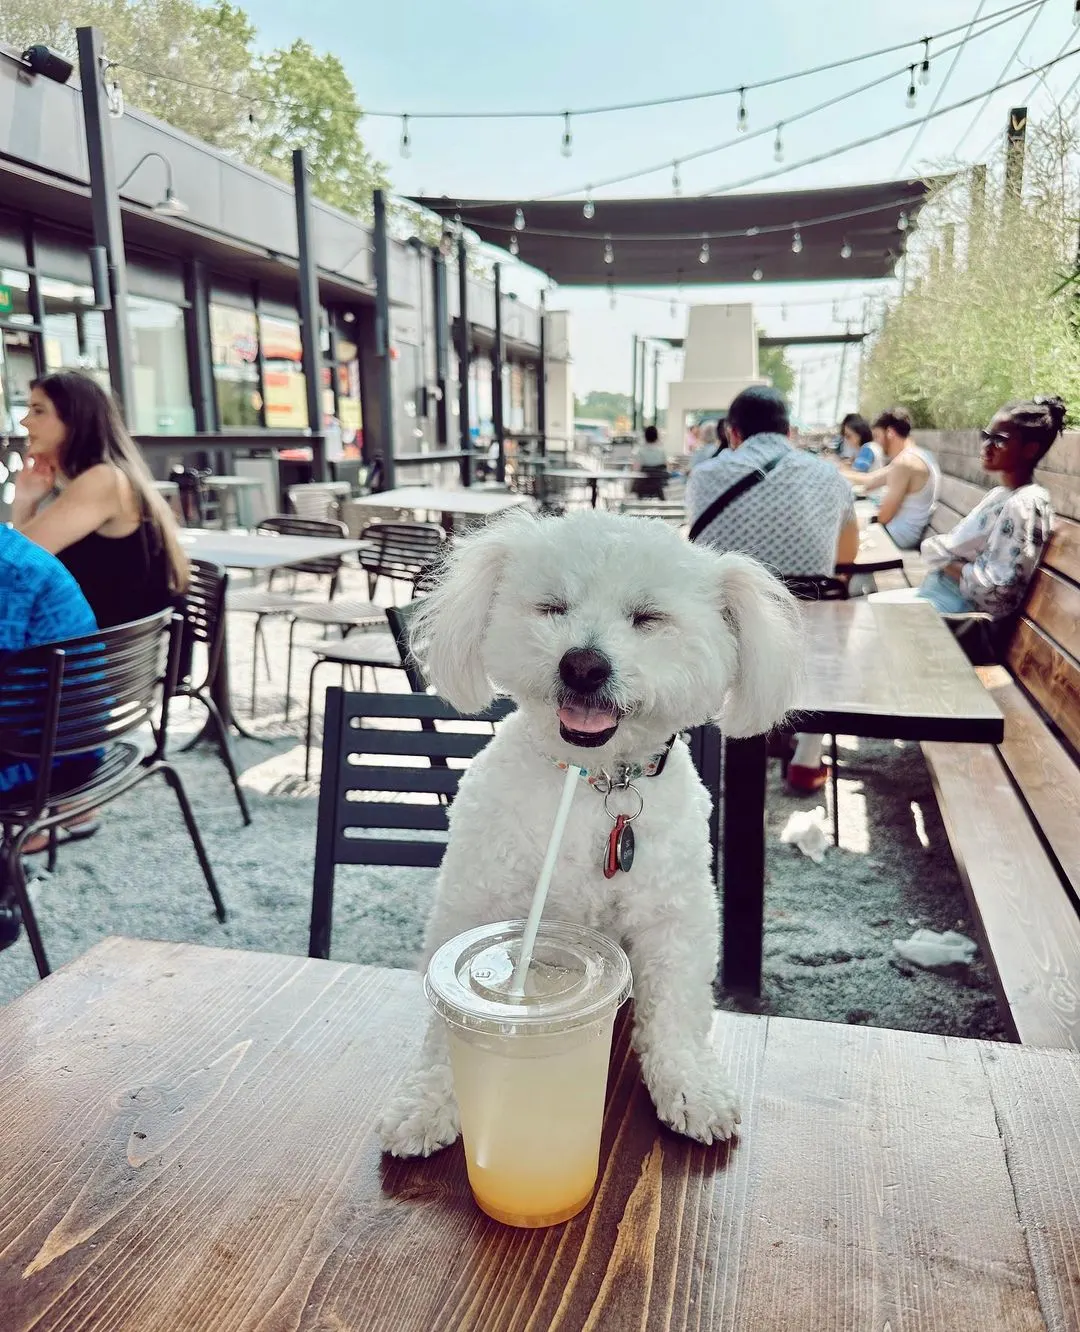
877	552
189	1144
592	478
878	670
467	501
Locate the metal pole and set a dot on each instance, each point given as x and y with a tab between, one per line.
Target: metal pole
105	207
463	361
840	381
442	348
496	380
200	347
656	386
310	339
641	394
633	388
382	342
541	381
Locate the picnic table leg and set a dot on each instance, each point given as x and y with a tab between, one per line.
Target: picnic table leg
595	483
744	863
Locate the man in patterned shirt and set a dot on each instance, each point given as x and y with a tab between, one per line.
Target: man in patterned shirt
789	509
40	603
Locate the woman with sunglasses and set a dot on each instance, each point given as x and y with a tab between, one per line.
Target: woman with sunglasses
988	559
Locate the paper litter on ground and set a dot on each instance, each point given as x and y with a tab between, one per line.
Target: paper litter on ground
927	948
807	830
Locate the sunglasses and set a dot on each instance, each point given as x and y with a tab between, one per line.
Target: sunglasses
995	438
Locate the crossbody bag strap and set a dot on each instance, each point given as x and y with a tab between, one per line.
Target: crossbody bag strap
730	495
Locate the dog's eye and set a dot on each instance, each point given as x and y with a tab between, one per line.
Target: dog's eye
552	608
647	619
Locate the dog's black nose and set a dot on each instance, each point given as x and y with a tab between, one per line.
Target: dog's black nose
584	670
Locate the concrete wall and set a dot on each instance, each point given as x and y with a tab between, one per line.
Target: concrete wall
720	359
559	387
957	452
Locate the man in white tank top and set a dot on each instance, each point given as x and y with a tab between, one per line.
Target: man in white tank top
910	476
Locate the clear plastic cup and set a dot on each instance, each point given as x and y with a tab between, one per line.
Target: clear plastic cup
530	1072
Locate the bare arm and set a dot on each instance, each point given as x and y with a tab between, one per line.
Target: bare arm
847	547
896	487
872	480
89	502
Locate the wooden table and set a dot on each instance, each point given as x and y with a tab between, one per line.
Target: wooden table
429	499
593	478
875	669
877	552
254	552
188	1146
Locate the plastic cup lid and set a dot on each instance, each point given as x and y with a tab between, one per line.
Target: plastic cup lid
576	976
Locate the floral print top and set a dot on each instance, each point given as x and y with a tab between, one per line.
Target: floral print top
1001	542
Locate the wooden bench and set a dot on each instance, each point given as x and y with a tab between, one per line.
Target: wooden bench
1012	812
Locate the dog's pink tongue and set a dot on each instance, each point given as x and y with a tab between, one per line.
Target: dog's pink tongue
588	720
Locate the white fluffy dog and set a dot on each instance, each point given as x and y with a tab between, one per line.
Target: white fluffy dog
611	634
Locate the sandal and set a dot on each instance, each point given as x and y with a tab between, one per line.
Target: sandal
67	832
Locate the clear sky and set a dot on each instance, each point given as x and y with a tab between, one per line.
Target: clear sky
499	55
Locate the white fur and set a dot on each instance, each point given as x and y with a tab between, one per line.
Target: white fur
726	652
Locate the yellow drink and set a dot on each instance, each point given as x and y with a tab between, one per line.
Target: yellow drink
530	1070
531	1120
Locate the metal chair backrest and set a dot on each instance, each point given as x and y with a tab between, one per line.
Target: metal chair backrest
203	609
362	795
313	501
77	695
815	587
401	550
289	524
352	470
400	621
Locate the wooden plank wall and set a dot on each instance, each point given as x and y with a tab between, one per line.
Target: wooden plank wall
1045	651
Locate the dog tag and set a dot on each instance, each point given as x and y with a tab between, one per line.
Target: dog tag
620	852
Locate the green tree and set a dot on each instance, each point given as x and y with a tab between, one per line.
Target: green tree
310	102
602	406
773	362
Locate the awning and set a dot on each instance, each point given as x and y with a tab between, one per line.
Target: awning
854	232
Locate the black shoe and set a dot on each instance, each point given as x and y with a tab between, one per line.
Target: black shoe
10	923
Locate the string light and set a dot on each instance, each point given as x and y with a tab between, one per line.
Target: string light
612	302
796	242
567	136
778	144
924	70
703	256
902	220
742	119
757	274
836	312
405	147
609	251
845	249
673	309
912	91
515	248
676	179
1076	13
589	208
519	220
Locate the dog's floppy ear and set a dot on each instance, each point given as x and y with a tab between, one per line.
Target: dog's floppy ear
764	617
448	630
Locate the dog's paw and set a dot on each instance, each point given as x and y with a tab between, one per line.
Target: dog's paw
702	1106
423	1116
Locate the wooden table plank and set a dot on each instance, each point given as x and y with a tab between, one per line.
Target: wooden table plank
189	1145
878	552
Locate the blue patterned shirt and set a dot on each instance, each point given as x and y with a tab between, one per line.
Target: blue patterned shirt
40	603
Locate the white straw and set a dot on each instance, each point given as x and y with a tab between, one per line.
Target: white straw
543	883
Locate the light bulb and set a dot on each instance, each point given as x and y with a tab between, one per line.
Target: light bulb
924	69
912	92
405	147
757	274
778	145
902	222
676	179
609	251
519	220
515	248
703	256
1076	13
567	136
845	250
742	119
796	242
589	209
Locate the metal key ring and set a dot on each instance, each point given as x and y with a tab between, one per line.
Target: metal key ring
629	817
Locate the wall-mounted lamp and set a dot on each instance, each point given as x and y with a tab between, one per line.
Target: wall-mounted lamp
170	205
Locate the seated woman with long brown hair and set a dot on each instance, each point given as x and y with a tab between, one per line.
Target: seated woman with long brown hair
103	520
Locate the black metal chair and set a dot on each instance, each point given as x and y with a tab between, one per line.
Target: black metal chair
402	552
74	701
204	622
819	587
360	795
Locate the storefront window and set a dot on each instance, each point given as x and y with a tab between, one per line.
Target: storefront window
14	297
234	336
162	388
286	387
74	335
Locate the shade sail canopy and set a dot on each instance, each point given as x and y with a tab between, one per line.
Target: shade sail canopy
855	231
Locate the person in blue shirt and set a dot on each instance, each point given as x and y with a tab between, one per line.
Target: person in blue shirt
866	454
40	602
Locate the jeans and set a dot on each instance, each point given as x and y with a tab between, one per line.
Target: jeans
943	594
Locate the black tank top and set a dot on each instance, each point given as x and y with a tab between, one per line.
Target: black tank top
123	578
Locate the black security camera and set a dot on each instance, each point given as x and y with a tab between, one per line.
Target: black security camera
43	61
